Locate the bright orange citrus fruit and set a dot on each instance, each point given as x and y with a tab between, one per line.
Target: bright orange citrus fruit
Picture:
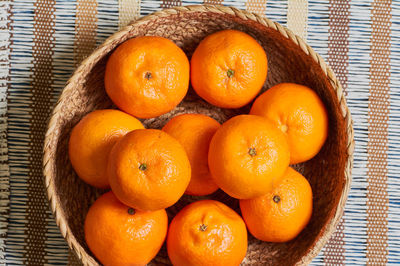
282	213
299	113
148	169
246	155
91	141
228	68
207	232
147	76
194	132
119	235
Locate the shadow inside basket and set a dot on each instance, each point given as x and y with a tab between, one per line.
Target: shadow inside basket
287	63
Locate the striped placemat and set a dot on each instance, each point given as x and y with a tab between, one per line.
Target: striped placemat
42	41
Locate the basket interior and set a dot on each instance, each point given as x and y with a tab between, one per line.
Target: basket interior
287	63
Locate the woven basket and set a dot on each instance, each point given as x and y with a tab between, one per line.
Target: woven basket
290	60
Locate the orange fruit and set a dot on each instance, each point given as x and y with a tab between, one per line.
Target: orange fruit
298	112
207	232
194	132
246	155
148	170
228	68
282	213
91	141
147	76
120	235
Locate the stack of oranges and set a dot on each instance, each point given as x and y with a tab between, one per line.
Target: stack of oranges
148	170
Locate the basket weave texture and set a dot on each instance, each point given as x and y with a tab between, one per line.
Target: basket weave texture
290	60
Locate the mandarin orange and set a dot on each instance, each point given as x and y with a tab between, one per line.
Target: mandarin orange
207	232
91	141
147	76
119	235
282	213
299	113
148	169
228	68
194	132
246	155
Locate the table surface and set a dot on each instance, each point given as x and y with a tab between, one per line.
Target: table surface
41	42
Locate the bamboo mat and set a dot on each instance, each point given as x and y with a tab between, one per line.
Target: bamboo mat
42	41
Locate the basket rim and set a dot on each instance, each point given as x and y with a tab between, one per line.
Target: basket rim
97	54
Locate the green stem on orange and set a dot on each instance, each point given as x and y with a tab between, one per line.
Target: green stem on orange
252	152
277	199
148	75
143	167
230	73
203	227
